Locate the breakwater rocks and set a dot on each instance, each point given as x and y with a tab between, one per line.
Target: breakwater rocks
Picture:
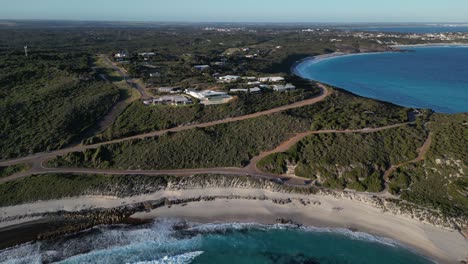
72	222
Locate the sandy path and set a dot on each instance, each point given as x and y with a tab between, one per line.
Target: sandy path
421	156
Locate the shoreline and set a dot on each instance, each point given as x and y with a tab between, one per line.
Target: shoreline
266	207
461	44
321	57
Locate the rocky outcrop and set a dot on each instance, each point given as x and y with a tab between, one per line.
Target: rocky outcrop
72	222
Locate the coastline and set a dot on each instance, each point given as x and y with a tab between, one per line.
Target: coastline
396	48
461	44
266	207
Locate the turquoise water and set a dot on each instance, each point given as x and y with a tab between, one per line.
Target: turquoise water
429	77
224	243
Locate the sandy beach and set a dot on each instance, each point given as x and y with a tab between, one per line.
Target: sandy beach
258	206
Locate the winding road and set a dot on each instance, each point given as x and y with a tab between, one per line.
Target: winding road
37	161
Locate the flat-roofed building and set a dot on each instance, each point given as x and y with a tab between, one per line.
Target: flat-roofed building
229	78
271	79
283	88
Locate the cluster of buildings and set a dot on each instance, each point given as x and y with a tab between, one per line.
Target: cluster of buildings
169	100
255	84
251	80
382	37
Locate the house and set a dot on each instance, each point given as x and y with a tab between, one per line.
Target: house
169	100
255	90
229	78
201	67
251	90
239	90
254	83
271	79
206	94
147	54
121	55
283	88
209	97
168	90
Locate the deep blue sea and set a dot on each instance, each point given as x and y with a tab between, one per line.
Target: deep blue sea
429	77
224	243
413	29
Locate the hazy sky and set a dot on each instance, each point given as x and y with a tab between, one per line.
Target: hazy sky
240	10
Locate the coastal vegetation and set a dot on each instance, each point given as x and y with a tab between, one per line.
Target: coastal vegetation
343	110
139	118
57	186
348	160
234	144
10	170
225	145
440	181
47	100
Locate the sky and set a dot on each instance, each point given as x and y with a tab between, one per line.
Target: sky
239	10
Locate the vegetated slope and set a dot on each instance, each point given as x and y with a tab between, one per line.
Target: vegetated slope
223	145
47	100
348	160
235	143
343	110
56	186
10	170
440	181
139	118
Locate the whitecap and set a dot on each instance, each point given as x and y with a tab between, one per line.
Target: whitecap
177	259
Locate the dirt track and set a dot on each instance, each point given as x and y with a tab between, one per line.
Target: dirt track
37	160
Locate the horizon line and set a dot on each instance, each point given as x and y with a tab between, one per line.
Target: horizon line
227	22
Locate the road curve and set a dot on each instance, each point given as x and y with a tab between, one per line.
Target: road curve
39	157
251	169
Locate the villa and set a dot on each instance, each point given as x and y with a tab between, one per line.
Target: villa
229	78
169	100
246	90
209	97
283	88
271	79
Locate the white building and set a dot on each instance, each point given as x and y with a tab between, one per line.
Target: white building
271	79
121	55
254	83
239	90
147	54
283	88
207	95
246	90
169	100
229	78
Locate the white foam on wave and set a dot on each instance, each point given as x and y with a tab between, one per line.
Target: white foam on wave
105	245
341	231
177	259
26	253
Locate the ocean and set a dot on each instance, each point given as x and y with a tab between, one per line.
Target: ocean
167	241
429	77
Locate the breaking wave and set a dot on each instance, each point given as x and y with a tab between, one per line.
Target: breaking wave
175	241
